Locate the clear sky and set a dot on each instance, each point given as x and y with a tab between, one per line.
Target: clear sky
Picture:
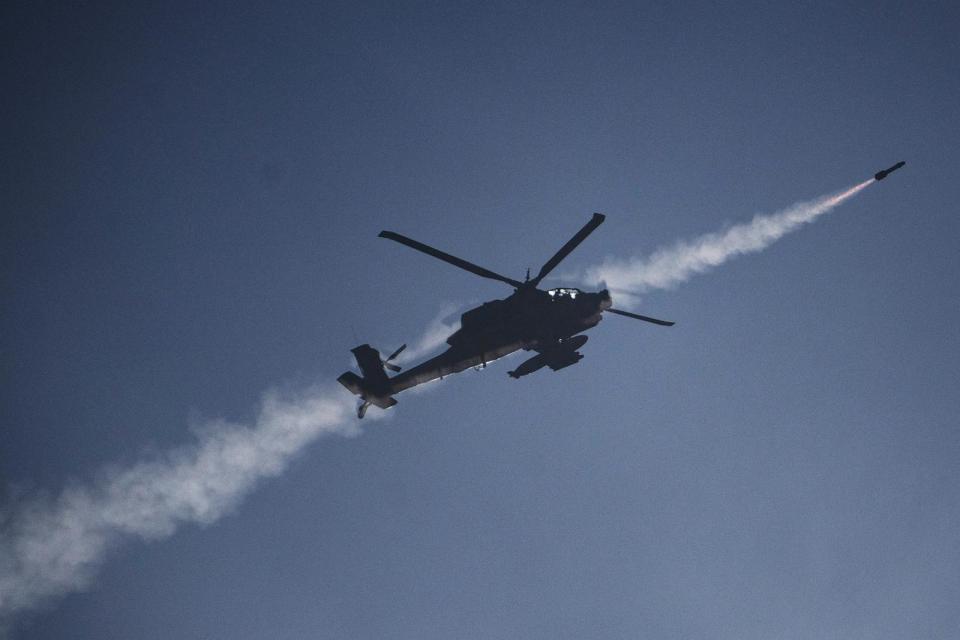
190	202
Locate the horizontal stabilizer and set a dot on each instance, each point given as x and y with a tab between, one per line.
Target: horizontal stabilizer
352	382
384	403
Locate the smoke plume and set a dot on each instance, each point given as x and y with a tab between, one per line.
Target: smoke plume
435	335
51	546
668	267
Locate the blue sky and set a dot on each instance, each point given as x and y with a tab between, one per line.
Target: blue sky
191	203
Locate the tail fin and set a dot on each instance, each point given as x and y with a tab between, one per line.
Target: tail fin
374	386
370	363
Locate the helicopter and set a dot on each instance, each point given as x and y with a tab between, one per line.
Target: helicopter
549	322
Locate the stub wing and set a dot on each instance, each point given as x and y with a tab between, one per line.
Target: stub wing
556	356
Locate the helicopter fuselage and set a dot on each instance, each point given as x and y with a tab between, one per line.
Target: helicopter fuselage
548	322
530	319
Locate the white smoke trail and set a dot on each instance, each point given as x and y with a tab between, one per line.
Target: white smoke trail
435	335
49	547
671	266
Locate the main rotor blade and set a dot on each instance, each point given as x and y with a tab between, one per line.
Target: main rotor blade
446	257
637	316
565	250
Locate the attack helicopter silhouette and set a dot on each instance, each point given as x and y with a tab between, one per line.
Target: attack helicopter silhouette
546	321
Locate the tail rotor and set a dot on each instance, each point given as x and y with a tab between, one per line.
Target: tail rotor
389	365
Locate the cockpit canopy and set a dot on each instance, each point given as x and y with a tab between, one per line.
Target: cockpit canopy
564	294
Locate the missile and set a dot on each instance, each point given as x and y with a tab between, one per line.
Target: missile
880	175
556	357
